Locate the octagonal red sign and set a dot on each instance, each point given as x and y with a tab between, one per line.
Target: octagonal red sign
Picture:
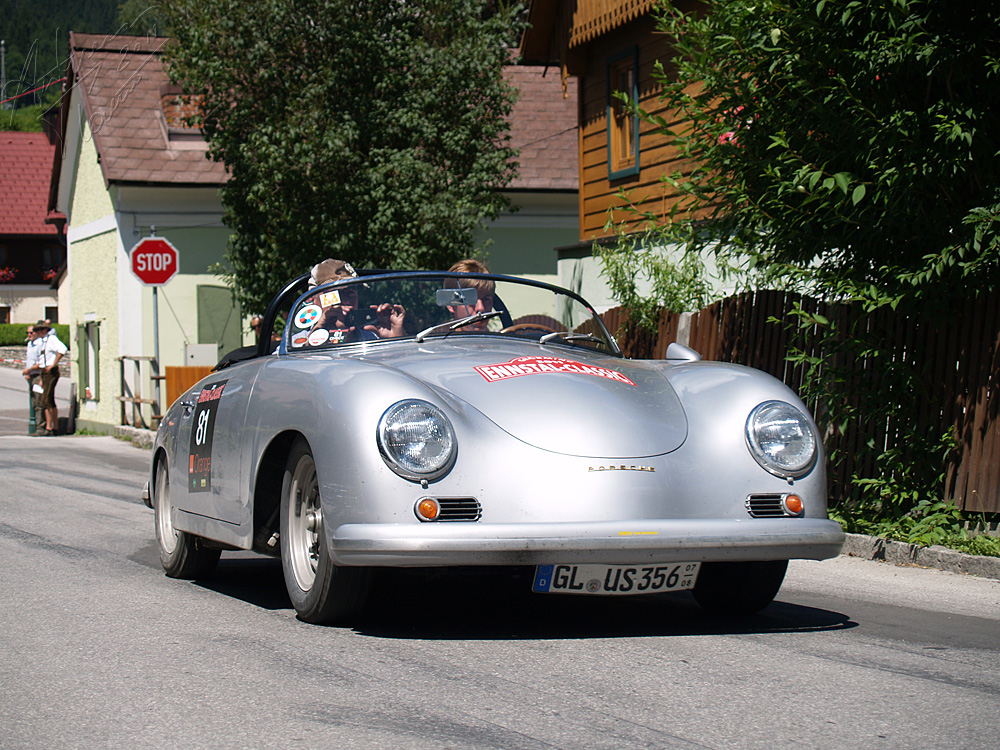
154	261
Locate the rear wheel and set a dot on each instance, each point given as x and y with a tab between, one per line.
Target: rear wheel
182	555
321	592
738	588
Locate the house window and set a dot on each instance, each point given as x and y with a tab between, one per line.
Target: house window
89	339
4	314
52	314
52	258
623	125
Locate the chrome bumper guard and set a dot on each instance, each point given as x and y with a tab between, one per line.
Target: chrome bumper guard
661	541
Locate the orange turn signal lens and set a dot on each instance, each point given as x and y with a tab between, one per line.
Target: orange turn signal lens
793	504
427	509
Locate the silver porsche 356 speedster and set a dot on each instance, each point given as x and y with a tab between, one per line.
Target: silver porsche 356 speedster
427	420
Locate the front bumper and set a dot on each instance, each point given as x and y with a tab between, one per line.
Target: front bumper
622	542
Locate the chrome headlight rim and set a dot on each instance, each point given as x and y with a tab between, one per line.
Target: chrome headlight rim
785	470
397	461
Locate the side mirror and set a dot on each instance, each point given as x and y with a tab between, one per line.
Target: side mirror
683	353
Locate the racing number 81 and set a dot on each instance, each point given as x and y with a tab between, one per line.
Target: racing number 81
201	433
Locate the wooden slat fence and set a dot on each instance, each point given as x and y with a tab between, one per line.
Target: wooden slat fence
956	353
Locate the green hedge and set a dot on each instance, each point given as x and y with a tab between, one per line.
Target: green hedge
14	334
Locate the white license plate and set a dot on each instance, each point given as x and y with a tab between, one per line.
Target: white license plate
614	579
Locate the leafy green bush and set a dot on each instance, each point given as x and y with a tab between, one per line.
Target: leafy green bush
927	523
977	545
643	259
14	334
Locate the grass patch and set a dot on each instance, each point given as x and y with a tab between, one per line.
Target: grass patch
927	524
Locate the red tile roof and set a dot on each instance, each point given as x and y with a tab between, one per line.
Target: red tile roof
25	169
123	81
543	126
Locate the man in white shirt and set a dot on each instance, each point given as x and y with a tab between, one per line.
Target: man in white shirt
32	373
51	351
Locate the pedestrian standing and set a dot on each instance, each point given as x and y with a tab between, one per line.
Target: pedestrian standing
51	351
33	374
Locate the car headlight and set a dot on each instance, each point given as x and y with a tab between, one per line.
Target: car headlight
781	439
416	440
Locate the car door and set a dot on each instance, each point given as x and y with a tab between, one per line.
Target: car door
209	444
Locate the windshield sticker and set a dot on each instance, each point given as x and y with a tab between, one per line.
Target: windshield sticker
328	299
202	433
521	366
307	316
319	336
300	338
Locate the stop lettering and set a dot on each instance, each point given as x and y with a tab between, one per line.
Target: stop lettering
154	261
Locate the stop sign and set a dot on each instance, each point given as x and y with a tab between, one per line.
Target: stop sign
154	261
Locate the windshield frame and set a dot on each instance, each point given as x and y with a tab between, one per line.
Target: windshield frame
366	275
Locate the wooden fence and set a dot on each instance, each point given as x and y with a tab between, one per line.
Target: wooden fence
955	353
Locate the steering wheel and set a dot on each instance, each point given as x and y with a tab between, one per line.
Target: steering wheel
527	327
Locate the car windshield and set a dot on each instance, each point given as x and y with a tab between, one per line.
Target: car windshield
425	306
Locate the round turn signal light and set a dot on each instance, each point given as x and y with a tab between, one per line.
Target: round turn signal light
427	509
793	505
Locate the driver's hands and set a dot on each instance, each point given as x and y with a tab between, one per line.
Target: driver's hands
390	320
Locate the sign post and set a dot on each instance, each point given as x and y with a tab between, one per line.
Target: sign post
154	261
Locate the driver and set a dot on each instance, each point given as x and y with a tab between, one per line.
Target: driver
340	304
485	290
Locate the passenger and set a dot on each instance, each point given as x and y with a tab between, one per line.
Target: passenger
485	290
340	304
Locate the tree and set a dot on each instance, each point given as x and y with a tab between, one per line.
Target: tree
35	33
372	130
854	141
851	147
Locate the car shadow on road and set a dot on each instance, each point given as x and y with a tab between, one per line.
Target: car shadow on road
504	608
254	579
456	606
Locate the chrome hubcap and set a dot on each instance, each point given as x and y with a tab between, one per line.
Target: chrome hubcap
164	522
305	523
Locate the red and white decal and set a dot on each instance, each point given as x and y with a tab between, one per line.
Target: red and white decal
521	366
308	315
318	337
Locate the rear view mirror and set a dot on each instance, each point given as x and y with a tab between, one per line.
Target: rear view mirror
454	297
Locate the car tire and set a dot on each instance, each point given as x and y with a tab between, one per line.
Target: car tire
321	592
182	555
738	588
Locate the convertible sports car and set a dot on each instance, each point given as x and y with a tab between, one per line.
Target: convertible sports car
426	420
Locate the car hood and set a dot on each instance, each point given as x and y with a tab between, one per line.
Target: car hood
561	400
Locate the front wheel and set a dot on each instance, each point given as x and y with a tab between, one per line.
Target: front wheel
182	555
738	588
321	592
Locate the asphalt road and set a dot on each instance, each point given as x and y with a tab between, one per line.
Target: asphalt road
100	650
14	401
